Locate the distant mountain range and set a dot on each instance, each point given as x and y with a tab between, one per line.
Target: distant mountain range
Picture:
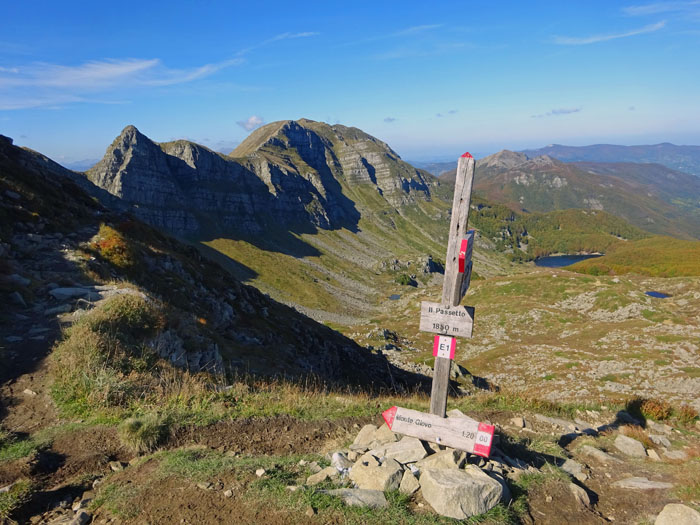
649	196
681	158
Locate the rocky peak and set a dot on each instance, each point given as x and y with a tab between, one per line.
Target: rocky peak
504	159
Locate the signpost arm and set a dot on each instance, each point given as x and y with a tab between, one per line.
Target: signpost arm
452	285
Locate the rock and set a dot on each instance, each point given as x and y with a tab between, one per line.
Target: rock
460	494
367	460
323	475
116	466
374	499
599	455
557	422
661	428
28	392
60	309
653	454
638	483
384	477
365	436
65	294
408	450
205	485
409	483
575	469
658	439
310	512
352	455
228	493
16	298
314	467
518	422
678	514
384	435
676	455
580	495
12	195
84	501
506	496
81	518
260	472
13	339
443	459
340	461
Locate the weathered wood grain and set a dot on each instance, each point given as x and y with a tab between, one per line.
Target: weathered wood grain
462	433
452	286
456	321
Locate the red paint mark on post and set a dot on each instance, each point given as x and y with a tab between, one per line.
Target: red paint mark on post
444	346
484	438
462	254
468	155
389	416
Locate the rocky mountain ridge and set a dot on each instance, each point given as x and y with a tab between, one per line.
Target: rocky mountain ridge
290	172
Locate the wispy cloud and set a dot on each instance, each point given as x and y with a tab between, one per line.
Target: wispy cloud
277	38
660	7
251	123
389	120
407	31
415	30
46	85
422	50
557	112
581	41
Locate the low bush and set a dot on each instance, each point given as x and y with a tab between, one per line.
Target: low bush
143	434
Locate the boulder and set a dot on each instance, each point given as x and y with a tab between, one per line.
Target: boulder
408	450
365	436
599	455
460	494
384	477
630	446
678	514
65	294
374	499
444	459
340	461
676	455
658	439
574	469
638	483
580	495
409	483
384	435
323	475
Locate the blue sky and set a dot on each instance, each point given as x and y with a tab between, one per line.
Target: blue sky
432	79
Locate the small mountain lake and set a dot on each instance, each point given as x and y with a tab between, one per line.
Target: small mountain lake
395	297
658	295
557	261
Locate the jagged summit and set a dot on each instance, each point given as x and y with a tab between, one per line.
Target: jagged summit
503	159
288	172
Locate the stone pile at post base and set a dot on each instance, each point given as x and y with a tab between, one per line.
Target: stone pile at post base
455	484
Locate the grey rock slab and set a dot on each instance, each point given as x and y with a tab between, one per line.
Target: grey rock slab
64	294
384	477
60	309
660	428
460	494
365	436
598	455
409	483
580	495
323	475
575	469
639	483
374	499
658	439
506	497
384	435
678	514
630	446
443	459
408	450
676	455
81	518
340	461
557	422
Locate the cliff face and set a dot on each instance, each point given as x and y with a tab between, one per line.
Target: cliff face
293	173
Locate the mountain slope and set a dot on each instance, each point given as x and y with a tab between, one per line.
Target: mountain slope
640	196
682	158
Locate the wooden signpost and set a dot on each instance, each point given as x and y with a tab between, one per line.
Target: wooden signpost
462	433
449	320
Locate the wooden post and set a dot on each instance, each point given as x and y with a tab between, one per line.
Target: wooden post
452	292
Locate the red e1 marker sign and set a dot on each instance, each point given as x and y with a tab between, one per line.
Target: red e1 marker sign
444	346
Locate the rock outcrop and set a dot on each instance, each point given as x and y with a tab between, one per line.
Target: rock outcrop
302	174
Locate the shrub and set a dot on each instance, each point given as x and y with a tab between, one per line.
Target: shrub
405	280
687	414
649	408
115	248
143	434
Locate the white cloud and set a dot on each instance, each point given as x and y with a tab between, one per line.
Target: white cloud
580	41
557	112
389	120
660	7
277	38
251	123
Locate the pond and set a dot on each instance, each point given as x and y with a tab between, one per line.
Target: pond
395	297
658	295
557	261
